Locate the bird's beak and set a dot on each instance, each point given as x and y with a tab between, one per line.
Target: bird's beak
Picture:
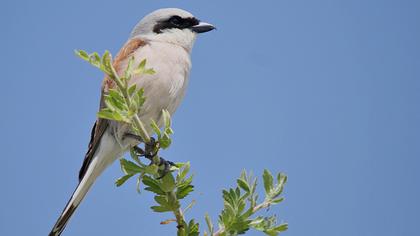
202	28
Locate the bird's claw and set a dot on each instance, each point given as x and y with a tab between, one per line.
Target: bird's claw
150	152
150	149
166	167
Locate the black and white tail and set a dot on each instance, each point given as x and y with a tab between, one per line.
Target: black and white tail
76	198
107	151
64	217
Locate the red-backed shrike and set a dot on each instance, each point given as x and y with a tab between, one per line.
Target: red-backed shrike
165	38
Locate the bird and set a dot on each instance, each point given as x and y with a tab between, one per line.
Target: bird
164	38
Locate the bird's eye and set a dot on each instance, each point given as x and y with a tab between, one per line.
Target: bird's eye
176	20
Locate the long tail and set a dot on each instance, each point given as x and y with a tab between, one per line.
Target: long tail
107	152
76	198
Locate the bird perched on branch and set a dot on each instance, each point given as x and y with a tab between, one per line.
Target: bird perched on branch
165	38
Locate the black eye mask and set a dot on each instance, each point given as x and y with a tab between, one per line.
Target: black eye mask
175	22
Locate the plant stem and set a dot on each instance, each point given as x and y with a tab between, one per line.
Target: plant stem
179	215
179	218
258	207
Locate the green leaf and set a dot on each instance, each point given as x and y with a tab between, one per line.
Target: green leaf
153	185
257	221
168	183
160	209
106	63
184	182
278	189
268	181
166	118
122	180
254	186
114	104
281	178
182	173
111	115
106	57
142	64
138	97
277	200
169	130
183	191
140	68
95	59
106	114
149	71
161	200
129	69
151	169
117	95
209	224
129	167
243	184
281	228
268	225
192	228
82	54
155	128
226	196
132	89
165	141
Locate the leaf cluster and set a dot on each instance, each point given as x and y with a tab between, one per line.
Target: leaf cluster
118	106
169	189
240	204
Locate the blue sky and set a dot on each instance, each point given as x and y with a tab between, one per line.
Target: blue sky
326	91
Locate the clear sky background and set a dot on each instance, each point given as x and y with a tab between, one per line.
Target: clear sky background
326	91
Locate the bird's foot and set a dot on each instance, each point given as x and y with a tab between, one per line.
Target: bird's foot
164	166
150	152
150	149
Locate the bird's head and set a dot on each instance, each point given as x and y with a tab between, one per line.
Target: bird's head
171	25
